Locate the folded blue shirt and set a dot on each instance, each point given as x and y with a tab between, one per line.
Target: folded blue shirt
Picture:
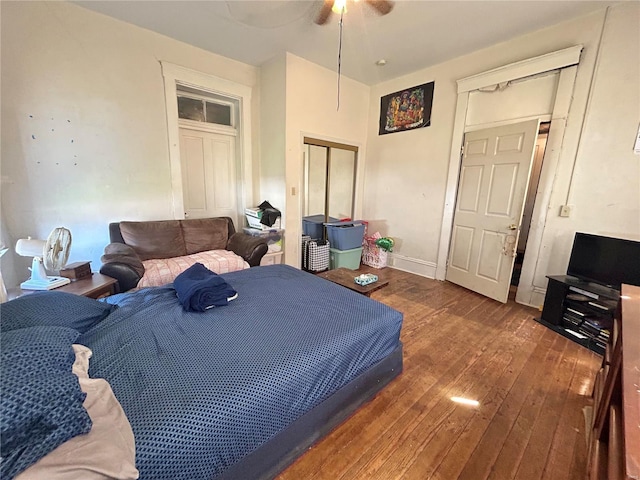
198	289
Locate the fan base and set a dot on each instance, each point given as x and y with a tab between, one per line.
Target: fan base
48	283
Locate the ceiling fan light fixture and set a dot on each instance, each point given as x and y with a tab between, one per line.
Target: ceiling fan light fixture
339	6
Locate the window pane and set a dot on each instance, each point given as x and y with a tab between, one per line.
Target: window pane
217	113
190	109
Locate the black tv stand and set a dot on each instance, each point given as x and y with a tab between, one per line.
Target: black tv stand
579	310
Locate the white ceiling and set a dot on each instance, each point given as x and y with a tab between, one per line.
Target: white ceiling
416	34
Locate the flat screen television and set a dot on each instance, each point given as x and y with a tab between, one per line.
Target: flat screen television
605	260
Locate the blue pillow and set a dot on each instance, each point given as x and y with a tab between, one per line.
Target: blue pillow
53	308
41	400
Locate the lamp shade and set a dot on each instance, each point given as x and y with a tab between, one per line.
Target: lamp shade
29	247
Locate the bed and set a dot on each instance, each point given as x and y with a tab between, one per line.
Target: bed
242	390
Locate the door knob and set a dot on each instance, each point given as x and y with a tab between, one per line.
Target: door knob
513	226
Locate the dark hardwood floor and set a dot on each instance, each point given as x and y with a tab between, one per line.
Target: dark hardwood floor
531	384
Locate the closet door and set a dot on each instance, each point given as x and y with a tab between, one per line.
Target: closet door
329	179
315	180
341	184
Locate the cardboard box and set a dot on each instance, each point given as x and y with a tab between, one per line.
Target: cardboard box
253	219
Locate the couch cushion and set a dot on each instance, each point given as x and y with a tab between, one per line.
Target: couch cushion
159	239
202	234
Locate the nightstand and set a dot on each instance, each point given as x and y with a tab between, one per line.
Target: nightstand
95	286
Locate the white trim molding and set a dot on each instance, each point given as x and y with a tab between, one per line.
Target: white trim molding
542	117
524	68
412	265
452	184
565	60
176	74
528	292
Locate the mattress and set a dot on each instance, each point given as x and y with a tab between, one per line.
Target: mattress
204	390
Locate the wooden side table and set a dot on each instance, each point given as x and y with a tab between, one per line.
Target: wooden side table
344	276
95	286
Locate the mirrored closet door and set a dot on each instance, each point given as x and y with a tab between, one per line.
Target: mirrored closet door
329	179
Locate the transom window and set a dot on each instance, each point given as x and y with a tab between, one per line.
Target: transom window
202	109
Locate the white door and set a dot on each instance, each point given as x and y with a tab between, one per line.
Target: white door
209	181
491	189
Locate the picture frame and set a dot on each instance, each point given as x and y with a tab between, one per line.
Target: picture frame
406	109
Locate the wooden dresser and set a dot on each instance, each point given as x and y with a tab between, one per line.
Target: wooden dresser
614	442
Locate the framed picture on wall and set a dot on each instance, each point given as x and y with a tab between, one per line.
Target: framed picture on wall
406	109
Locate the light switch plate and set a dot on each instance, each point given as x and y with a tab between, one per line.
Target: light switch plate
565	210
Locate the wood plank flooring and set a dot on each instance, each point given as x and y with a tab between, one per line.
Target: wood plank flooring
531	384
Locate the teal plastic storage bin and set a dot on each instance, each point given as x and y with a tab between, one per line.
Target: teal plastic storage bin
345	258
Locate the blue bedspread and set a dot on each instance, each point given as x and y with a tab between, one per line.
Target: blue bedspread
202	390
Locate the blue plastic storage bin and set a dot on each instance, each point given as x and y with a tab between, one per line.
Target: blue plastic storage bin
312	225
345	235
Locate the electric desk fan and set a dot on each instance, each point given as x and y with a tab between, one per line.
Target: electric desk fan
52	254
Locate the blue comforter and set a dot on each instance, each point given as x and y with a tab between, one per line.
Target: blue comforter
202	390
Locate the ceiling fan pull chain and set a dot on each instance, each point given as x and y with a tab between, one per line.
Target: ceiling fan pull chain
339	58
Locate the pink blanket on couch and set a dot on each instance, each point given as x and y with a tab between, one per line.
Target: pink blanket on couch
165	270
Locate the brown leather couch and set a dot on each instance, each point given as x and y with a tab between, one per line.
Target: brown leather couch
134	242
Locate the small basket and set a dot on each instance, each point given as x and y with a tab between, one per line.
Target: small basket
373	255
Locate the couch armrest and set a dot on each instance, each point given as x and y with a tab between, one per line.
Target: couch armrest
121	262
127	277
252	249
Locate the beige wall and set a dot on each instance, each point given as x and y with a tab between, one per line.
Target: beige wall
84	134
72	74
598	175
406	172
602	179
272	133
311	110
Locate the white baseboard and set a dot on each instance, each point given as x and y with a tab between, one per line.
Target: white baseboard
412	265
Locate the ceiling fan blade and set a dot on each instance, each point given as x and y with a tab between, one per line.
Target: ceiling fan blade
324	13
381	6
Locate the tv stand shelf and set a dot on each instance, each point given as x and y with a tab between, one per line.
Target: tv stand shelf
579	310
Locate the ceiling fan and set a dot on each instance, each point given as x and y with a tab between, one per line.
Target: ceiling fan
382	7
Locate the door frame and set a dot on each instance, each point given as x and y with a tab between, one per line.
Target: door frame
176	74
566	60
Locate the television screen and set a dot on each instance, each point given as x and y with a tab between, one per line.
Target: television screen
605	260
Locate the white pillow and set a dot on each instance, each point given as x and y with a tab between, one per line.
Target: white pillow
106	452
